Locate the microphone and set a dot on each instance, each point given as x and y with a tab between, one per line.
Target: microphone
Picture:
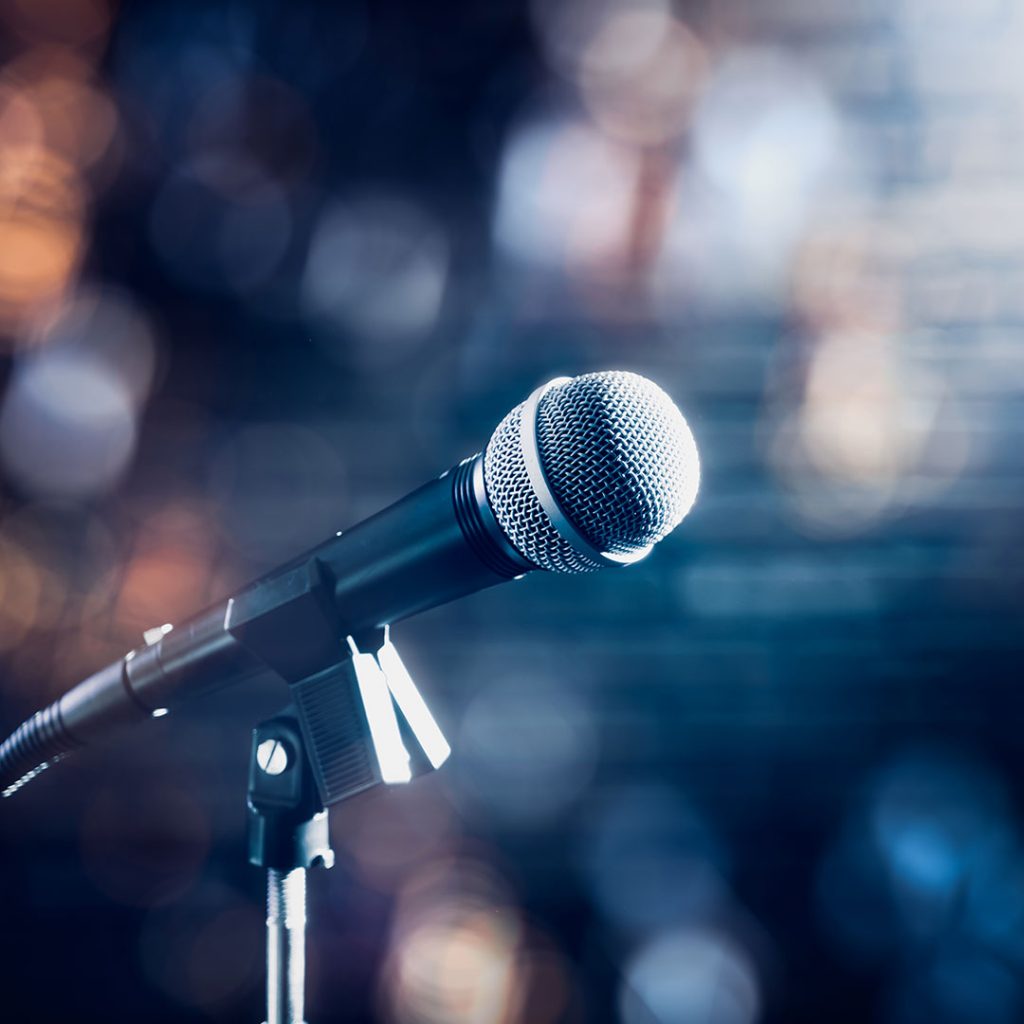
588	472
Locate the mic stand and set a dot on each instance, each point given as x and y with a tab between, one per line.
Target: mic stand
288	834
340	736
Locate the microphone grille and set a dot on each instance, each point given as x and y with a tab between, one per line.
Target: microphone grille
619	459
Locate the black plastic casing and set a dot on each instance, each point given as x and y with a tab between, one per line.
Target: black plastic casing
437	544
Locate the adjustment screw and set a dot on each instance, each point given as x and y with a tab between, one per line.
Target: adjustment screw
272	756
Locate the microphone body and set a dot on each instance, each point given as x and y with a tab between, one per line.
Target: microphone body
588	472
439	543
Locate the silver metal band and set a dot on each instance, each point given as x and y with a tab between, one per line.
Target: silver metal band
538	479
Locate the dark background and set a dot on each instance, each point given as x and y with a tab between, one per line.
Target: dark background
267	266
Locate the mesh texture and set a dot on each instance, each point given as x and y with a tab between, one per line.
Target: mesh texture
619	458
517	508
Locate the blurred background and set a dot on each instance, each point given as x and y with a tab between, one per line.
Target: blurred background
266	266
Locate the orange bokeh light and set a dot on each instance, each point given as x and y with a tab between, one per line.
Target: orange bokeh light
70	22
42	207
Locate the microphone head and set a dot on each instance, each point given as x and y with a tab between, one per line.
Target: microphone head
591	471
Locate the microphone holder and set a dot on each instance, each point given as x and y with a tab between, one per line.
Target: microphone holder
340	736
288	834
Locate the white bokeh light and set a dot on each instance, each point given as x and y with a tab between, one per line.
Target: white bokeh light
67	425
768	147
377	271
690	976
107	326
765	133
564	194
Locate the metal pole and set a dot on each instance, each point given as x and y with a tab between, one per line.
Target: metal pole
286	946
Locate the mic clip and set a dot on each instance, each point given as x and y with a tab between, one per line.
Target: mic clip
364	721
351	727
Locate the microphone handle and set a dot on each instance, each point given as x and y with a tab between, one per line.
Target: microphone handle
437	544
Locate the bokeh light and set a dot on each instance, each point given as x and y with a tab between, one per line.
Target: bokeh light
528	748
455	952
77	118
765	134
567	29
389	840
876	432
767	149
105	325
67	425
57	123
962	987
251	121
690	976
42	210
641	74
251	225
170	568
934	821
67	22
21	586
58	580
375	279
926	878
207	953
565	196
650	861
